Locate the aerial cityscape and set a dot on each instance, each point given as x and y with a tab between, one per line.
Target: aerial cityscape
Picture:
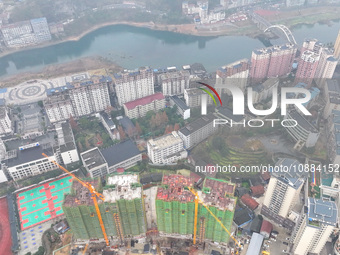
208	127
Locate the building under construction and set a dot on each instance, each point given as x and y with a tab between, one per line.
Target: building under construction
122	211
175	206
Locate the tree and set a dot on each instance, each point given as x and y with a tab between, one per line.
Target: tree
165	118
41	104
121	133
87	144
73	123
80	146
138	129
176	127
40	251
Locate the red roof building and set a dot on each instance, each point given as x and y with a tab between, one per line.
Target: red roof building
257	191
265	176
249	201
266	228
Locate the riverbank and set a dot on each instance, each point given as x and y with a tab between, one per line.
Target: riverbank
290	18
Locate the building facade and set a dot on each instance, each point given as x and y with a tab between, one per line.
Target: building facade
182	108
307	67
337	47
332	97
174	83
41	30
5	121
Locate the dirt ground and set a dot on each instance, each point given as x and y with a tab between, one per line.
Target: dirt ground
91	64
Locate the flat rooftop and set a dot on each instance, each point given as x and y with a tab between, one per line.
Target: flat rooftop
81	195
65	137
197	125
302	121
165	141
92	158
179	102
122	187
322	211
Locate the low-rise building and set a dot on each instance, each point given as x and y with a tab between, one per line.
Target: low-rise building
109	125
94	162
166	149
198	130
5	121
139	107
182	108
301	130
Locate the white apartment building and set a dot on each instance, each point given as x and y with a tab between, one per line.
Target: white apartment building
41	29
235	73
139	107
182	108
198	130
174	83
166	149
332	97
264	90
304	133
283	192
192	97
94	162
5	122
314	227
18	34
326	67
66	150
29	161
131	85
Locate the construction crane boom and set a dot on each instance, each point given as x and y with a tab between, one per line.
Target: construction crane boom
195	219
211	213
94	195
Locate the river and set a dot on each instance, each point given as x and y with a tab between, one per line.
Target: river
132	47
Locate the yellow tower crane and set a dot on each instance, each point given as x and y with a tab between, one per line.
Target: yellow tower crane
94	195
198	200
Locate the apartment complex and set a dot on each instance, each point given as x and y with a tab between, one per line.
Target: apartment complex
166	149
107	161
332	97
182	108
139	107
174	83
235	74
193	96
5	121
133	84
79	98
198	130
326	67
316	224
264	91
41	30
66	151
122	211
283	191
333	137
307	67
301	130
272	62
175	208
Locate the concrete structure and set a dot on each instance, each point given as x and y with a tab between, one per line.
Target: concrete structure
337	46
227	114
272	62
28	161
139	107
66	151
3	177
192	97
132	85
235	73
41	30
101	162
264	91
315	92
333	137
166	149
266	229
307	67
196	131
294	3
122	211
283	191
175	208
316	224
304	132
326	67
174	83
5	121
19	34
109	125
255	244
332	97
182	108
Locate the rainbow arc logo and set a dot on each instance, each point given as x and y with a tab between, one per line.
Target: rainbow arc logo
204	97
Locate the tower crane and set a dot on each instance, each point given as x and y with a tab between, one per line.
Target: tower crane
198	200
94	196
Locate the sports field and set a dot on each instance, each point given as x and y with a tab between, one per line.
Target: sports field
5	231
42	203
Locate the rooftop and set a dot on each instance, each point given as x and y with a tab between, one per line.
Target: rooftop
92	158
197	125
249	201
65	137
321	211
81	195
175	75
294	114
226	112
179	102
255	244
173	188
143	101
165	141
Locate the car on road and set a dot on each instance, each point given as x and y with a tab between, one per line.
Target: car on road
285	243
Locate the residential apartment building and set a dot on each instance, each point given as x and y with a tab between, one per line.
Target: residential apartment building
307	67
66	150
337	47
198	130
166	149
264	91
28	161
333	137
41	30
58	105
235	74
182	108
174	83
132	85
332	97
5	121
19	34
326	67
139	107
193	96
316	224
272	62
109	125
301	130
283	191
